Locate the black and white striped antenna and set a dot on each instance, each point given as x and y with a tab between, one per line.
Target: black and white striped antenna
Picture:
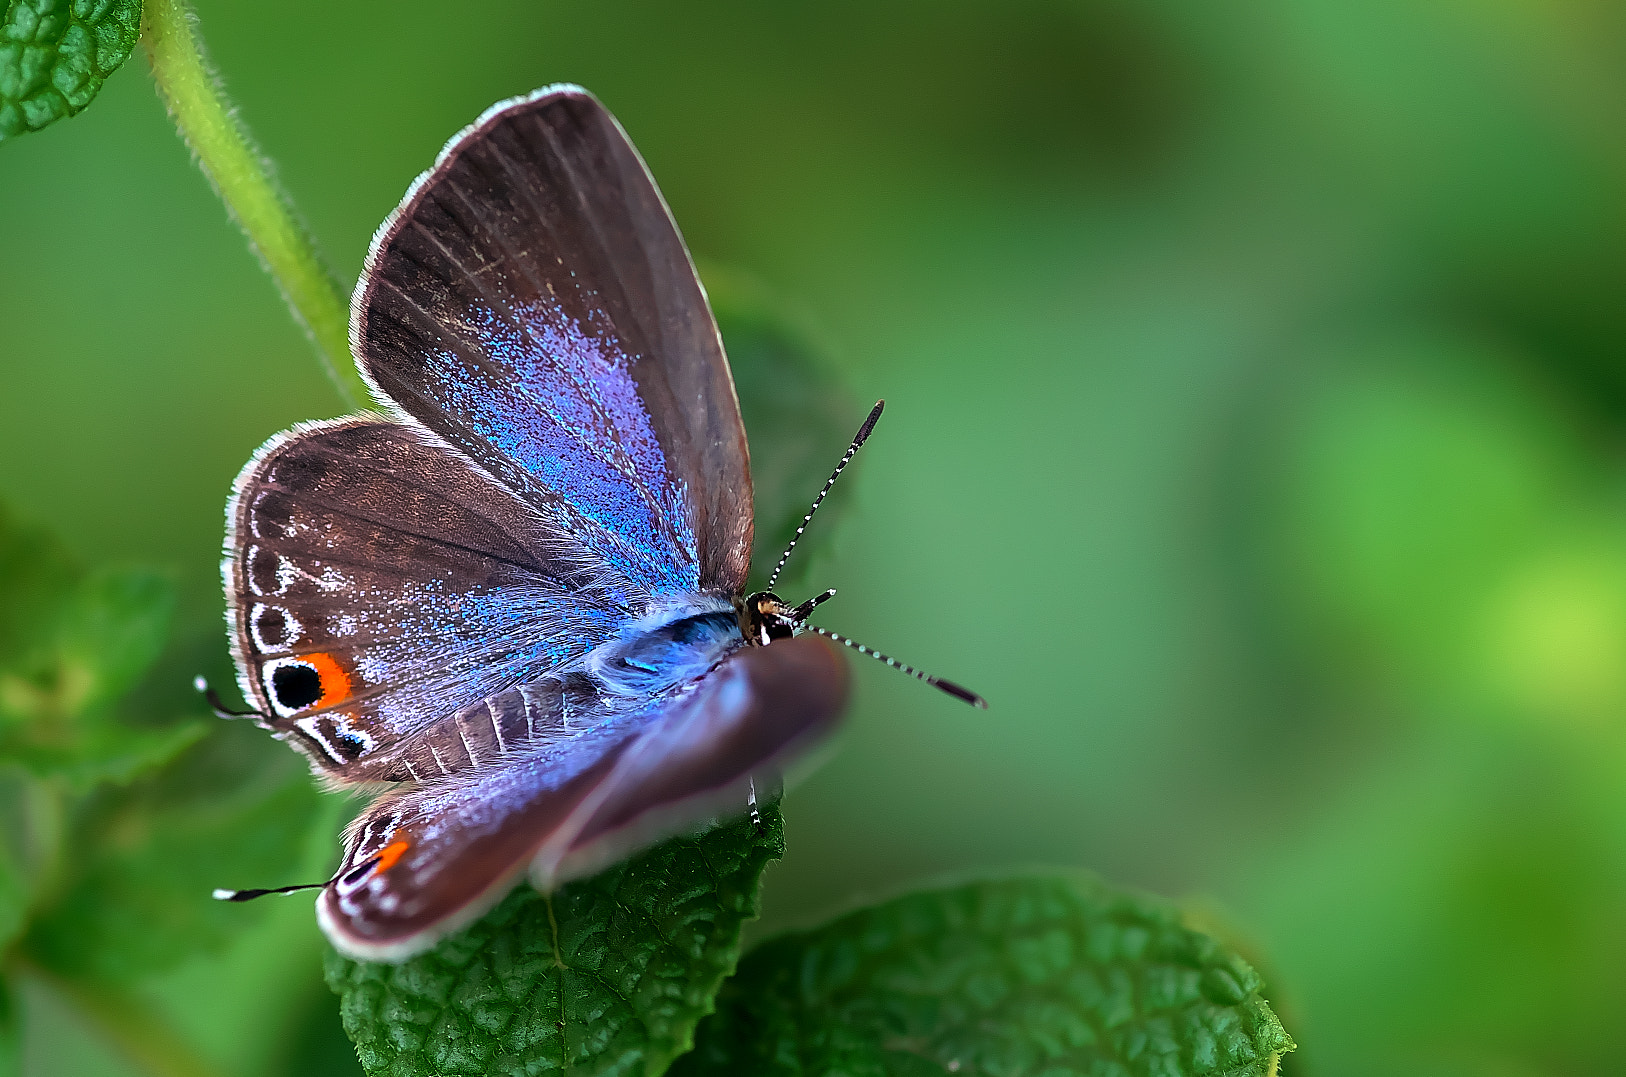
940	683
852	450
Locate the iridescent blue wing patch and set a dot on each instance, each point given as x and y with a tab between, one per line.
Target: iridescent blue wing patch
430	859
532	303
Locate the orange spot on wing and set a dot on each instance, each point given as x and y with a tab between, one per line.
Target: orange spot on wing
335	681
388	855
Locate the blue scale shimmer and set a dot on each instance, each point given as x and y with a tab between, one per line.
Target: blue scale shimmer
561	404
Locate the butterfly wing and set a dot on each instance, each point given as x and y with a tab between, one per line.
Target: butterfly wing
430	859
414	599
570	453
532	303
377	583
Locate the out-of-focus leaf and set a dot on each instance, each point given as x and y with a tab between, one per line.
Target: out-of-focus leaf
797	415
608	976
110	752
111	870
1054	975
137	899
11	1039
1445	531
55	54
114	629
15	850
35	578
86	649
60	682
1412	487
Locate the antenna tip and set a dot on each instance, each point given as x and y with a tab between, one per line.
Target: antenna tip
200	684
964	694
869	423
223	895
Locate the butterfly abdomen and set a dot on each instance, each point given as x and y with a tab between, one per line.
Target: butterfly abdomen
516	720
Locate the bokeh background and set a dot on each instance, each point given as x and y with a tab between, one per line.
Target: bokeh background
1256	381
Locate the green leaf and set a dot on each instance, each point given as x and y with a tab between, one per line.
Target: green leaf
608	976
15	850
55	54
99	872
114	628
797	414
109	752
59	684
1047	975
86	652
36	577
142	860
11	1033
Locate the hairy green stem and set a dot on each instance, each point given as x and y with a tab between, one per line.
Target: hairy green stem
242	177
131	1027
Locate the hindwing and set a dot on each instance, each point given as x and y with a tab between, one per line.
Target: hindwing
428	859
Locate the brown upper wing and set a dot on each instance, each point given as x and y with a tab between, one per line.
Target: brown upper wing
532	302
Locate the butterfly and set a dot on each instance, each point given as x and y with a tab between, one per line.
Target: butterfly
512	601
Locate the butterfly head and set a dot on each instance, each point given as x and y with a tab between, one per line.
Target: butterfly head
764	616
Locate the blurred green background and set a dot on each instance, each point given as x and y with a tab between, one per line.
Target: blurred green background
1256	381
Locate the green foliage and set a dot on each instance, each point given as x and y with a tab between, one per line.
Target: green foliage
13	869
11	1045
608	976
55	54
115	824
1057	976
137	899
59	684
71	645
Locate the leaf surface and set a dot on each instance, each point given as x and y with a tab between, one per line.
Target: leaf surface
609	975
1053	976
55	55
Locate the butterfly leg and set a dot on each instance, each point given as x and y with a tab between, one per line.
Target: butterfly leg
751	802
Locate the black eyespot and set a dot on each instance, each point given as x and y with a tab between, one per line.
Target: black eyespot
296	685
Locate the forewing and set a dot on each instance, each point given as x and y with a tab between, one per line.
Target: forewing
532	302
427	860
379	583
